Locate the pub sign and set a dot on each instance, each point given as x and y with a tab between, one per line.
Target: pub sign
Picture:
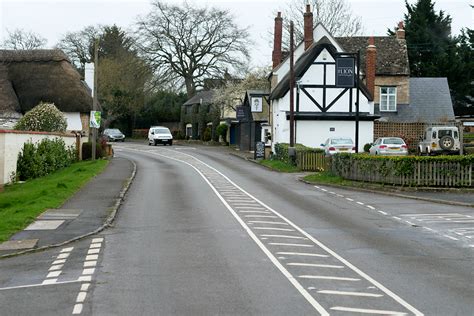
345	72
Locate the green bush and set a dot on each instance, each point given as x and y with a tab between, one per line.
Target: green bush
87	150
281	151
367	147
207	134
221	130
45	117
43	158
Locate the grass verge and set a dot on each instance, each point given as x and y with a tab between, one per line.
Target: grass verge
21	203
326	177
279	165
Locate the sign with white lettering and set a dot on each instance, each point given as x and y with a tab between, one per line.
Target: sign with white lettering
240	112
259	150
345	72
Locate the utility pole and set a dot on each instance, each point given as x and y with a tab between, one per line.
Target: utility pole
357	104
292	88
94	96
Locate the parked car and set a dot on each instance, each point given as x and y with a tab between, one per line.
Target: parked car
159	135
336	145
389	146
114	135
440	140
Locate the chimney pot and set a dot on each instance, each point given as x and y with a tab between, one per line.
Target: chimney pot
370	65
308	27
401	30
277	38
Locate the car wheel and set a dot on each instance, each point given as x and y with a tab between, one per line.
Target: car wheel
156	143
171	143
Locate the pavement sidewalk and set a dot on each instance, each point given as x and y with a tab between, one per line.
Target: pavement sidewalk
90	210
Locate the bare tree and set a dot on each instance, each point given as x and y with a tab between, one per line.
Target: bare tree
186	44
335	15
79	46
21	39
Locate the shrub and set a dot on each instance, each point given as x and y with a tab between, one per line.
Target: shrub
221	130
281	151
87	150
206	136
367	147
45	117
43	158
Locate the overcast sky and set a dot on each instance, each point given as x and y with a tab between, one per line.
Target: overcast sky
53	18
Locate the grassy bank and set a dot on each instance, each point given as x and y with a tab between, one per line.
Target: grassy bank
21	203
280	166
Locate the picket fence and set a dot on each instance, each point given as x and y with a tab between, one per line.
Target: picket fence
312	161
425	173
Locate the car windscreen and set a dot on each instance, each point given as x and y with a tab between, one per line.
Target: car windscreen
341	141
393	141
162	131
114	131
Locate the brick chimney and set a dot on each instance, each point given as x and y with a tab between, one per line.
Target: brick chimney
401	30
276	56
370	64
308	27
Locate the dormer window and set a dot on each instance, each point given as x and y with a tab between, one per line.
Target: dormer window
388	99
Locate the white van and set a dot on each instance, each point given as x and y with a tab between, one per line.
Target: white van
159	135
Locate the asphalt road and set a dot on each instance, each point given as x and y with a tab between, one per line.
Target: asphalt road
202	233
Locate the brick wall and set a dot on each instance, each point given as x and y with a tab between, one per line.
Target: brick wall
401	82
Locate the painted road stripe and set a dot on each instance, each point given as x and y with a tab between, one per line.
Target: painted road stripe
85	278
56	267
262	216
92	257
292	245
49	281
349	199
85	287
382	212
371	207
62	256
349	293
340	195
268	222
54	274
89	264
257	212
88	271
81	297
325	277
316	265
77	309
61	261
275	228
447	236
67	249
324	190
96	245
93	251
96	240
366	311
250	208
305	254
284	236
360	203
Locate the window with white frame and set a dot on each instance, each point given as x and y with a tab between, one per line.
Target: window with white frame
388	99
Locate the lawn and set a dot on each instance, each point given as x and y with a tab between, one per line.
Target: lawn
21	203
279	165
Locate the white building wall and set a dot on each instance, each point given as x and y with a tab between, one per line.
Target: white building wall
315	133
73	121
11	144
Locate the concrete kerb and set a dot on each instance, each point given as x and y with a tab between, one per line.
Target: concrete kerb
107	223
368	190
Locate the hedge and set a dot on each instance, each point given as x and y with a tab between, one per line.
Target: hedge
281	151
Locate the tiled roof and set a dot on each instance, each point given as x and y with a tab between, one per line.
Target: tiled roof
206	96
392	54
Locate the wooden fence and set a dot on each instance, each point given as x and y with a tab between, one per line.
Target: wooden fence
425	173
311	161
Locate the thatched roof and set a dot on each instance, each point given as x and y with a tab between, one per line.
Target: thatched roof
28	77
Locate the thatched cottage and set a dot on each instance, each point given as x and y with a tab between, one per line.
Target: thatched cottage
28	77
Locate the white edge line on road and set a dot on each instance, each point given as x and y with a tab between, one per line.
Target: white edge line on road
275	261
36	285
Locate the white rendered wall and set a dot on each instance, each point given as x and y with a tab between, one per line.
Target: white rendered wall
73	121
11	144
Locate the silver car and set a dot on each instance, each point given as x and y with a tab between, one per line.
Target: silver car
336	145
389	146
